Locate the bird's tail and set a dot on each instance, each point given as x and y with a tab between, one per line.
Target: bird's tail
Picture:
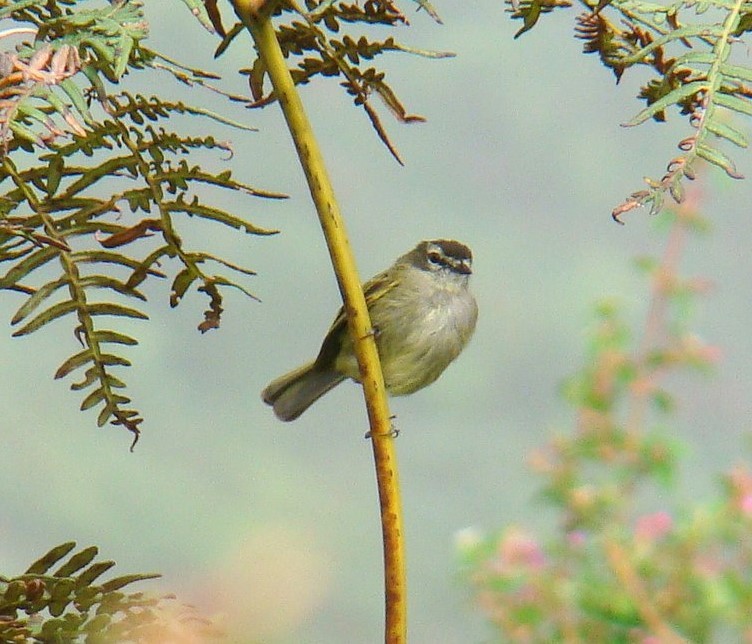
290	395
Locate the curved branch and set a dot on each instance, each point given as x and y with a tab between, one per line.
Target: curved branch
359	323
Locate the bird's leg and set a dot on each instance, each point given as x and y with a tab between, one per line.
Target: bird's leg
392	433
375	332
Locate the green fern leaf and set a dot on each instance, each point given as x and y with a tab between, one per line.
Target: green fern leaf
90	377
105	151
73	363
53	313
181	284
675	96
126	580
737	72
726	131
215	214
41	294
94	398
74	93
76	562
223	281
114	337
734	103
54	174
105	257
108	411
110	283
720	159
46	561
110	360
93	572
26	266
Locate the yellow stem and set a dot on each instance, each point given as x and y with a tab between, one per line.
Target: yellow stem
332	224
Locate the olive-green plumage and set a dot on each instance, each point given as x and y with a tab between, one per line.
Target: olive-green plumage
423	315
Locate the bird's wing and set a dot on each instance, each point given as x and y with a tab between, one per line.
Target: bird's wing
374	289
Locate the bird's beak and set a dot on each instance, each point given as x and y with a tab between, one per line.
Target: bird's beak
464	267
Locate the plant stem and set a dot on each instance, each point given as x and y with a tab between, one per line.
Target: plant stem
359	324
619	561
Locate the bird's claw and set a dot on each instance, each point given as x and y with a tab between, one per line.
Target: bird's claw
392	433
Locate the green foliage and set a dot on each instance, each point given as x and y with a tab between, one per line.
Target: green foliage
66	605
95	186
625	565
689	47
309	38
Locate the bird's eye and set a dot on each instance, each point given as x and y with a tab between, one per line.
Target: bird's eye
434	257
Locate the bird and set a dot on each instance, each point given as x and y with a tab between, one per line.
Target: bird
422	313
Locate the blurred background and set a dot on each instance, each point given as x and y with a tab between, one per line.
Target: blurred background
273	528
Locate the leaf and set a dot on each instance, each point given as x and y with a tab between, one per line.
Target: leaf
53	313
227	39
54	174
716	157
224	262
115	337
111	308
141	229
105	414
107	257
115	382
530	15
27	265
429	9
7	10
215	214
26	133
90	377
77	561
223	281
79	101
381	132
695	58
726	131
94	398
672	98
41	294
737	71
144	268
125	580
110	359
123	49
44	563
92	572
729	101
73	363
103	281
205	11
181	284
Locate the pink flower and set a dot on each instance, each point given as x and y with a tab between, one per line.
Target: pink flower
577	538
517	550
745	504
651	527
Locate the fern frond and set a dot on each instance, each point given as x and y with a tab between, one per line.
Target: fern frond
688	48
88	221
710	91
530	11
307	40
690	54
70	604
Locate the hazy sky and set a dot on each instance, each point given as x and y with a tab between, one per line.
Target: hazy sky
276	525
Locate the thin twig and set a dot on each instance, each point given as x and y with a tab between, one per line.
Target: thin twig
655	321
630	580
